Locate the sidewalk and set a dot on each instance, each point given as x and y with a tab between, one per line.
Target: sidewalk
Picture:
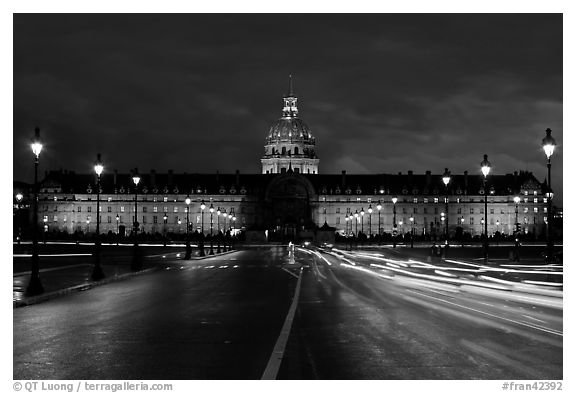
63	280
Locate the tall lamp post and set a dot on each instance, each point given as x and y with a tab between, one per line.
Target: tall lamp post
346	229
411	232
136	261
211	229
202	207
233	231
35	285
188	253
225	219
350	218
356	215
117	229
165	234
516	202
362	221
218	212
485	167
446	180
394	231
548	144
97	273
370	220
379	207
19	198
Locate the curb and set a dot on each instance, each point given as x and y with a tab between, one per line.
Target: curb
212	256
77	288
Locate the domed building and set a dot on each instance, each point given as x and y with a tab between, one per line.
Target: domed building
290	144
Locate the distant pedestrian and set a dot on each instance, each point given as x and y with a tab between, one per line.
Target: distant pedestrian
516	250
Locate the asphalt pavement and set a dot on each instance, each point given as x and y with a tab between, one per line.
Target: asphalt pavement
224	317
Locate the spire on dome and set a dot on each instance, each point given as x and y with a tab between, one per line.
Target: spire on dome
290	101
290	86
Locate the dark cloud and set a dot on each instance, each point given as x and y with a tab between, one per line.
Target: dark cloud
197	93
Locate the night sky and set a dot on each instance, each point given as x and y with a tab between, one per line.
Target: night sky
197	93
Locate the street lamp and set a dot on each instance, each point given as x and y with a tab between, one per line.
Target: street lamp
394	232
97	273
516	224
211	227
485	167
411	232
346	227
165	235
548	144
225	219
379	207
202	207
370	220
233	231
188	253
45	229
35	285
19	198
446	180
218	212
117	229
350	218
136	262
362	221
356	214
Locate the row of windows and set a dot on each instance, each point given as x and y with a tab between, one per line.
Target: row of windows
144	209
110	219
434	200
459	210
458	221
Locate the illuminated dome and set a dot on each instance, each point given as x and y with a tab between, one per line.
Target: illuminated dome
289	129
289	144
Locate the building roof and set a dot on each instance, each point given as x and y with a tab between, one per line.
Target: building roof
325	184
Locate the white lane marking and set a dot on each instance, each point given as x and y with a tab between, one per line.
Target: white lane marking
50	255
275	361
544	329
208	267
235	266
54	268
223	267
292	273
536	319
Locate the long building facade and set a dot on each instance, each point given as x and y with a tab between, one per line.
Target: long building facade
291	198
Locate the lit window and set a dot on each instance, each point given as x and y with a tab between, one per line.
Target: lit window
525	210
525	192
535	193
435	200
155	208
545	209
425	200
535	200
122	209
55	218
358	199
165	199
175	209
109	199
64	219
165	209
535	210
369	200
545	200
55	199
415	200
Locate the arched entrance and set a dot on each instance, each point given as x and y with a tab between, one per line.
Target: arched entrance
288	212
